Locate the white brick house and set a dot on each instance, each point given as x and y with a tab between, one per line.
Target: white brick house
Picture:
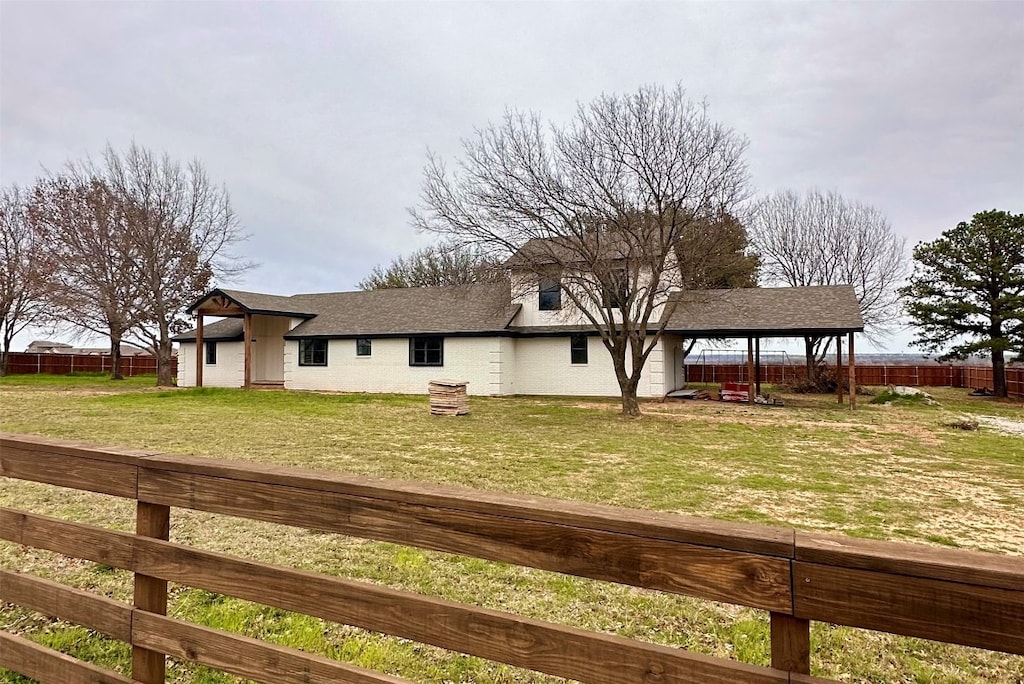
398	340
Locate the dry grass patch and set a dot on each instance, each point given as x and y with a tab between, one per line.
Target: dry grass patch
885	472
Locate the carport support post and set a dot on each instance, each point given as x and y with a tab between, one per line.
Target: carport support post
750	370
757	366
853	377
839	368
199	351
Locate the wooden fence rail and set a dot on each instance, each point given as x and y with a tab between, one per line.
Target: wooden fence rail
23	363
954	596
866	374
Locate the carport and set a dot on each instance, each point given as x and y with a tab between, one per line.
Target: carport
756	313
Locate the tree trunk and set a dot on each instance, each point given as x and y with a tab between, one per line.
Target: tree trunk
115	355
998	373
3	362
627	388
811	359
164	359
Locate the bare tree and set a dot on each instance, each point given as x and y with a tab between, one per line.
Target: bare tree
821	238
22	287
180	228
433	266
598	203
715	254
90	268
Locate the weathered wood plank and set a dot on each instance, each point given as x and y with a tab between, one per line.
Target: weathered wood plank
713	573
659	525
956	613
916	560
99	613
791	643
80	471
244	657
544	647
154	521
71	539
51	667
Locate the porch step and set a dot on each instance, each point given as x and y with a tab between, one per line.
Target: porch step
272	385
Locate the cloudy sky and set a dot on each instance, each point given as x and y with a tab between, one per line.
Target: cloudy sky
317	116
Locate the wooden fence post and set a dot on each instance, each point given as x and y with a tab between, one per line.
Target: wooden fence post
791	643
152	520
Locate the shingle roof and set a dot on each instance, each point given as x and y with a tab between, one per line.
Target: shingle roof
226	329
485	308
479	308
257	302
460	309
776	312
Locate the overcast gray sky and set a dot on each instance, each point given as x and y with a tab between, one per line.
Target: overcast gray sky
317	115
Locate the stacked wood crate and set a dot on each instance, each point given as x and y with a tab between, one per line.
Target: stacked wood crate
448	398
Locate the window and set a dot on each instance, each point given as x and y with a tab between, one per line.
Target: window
211	353
578	348
615	292
550	295
426	351
363	346
312	352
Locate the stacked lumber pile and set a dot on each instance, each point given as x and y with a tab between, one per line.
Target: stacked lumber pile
734	391
448	398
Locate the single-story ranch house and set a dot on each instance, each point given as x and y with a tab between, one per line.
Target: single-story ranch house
399	340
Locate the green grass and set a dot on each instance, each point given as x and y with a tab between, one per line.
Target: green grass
885	471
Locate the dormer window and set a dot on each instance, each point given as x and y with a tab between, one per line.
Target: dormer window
615	292
550	295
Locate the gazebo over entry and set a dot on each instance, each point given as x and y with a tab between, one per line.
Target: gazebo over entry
259	321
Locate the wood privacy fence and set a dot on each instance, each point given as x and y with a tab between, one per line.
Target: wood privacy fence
954	596
914	376
61	364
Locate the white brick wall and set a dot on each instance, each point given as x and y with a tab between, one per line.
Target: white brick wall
543	366
387	369
491	365
229	371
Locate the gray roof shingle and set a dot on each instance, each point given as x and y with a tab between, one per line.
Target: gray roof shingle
770	311
485	308
459	309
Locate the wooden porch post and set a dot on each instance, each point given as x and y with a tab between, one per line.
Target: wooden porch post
247	345
750	370
839	368
853	377
200	352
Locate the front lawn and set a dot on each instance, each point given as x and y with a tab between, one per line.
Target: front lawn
896	472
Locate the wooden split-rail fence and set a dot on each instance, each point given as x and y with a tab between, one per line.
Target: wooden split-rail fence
954	596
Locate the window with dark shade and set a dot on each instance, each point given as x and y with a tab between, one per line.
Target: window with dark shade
550	295
578	349
426	351
615	291
312	352
211	353
363	346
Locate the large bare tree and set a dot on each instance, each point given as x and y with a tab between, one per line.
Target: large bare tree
89	265
131	241
22	287
598	203
180	228
822	238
